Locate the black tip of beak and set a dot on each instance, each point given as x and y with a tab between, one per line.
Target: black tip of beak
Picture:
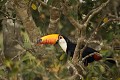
57	42
39	40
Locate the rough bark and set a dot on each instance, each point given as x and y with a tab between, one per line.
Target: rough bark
83	29
54	20
54	17
11	34
25	15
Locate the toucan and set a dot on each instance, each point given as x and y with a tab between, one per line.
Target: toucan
69	47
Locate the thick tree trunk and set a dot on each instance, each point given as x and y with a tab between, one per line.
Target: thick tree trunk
11	34
24	14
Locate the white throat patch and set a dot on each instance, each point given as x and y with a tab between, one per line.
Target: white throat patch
63	44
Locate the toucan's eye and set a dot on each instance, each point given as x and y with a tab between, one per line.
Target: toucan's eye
60	37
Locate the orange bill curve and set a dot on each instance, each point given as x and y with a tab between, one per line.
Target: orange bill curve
48	39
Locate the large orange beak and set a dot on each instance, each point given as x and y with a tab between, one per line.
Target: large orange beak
48	39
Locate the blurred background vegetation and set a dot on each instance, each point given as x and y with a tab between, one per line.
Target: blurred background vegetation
20	59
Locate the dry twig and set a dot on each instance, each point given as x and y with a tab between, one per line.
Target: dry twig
96	30
83	59
94	11
75	71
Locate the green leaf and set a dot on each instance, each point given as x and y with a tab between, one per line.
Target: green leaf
106	53
28	56
8	63
62	56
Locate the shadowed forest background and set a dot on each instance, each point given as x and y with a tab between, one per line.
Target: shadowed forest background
96	23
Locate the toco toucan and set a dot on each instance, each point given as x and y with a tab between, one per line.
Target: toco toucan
69	47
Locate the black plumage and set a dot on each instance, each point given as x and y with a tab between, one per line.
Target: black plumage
71	48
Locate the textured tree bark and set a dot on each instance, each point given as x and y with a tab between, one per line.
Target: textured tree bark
54	17
23	12
11	34
54	20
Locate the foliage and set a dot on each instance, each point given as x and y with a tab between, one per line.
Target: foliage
52	65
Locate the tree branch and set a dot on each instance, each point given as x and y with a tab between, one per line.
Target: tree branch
75	23
94	11
65	10
75	71
77	50
81	41
83	59
91	36
46	5
54	20
27	20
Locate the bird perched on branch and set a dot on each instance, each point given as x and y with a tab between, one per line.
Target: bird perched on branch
69	47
